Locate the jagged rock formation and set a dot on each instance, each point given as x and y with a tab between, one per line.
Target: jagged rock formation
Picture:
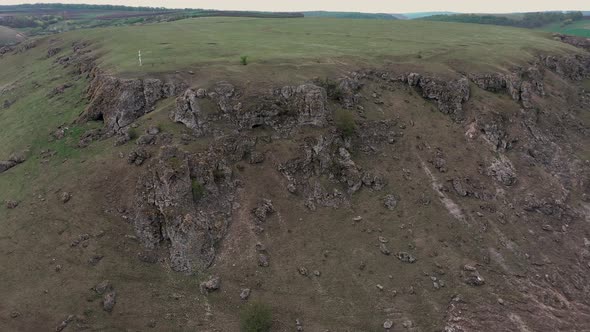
119	102
525	82
348	88
449	94
282	109
185	201
327	156
580	42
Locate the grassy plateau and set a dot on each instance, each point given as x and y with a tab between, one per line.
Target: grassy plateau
221	41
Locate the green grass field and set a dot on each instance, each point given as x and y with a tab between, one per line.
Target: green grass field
9	36
221	42
579	28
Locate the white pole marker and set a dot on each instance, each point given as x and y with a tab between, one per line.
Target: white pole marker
139	55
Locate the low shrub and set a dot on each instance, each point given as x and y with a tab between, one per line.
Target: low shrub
345	122
256	317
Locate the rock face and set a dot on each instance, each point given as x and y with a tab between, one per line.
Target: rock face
493	126
184	202
327	156
348	88
188	112
119	102
449	94
523	83
573	67
580	42
282	108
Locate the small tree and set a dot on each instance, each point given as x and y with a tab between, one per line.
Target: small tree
244	60
256	317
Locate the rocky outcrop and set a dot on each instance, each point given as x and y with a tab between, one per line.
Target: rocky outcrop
573	67
13	160
119	102
189	113
348	88
286	108
576	41
523	83
502	170
282	109
449	94
327	156
184	201
493	127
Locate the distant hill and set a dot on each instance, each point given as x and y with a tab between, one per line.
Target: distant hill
380	16
412	16
524	20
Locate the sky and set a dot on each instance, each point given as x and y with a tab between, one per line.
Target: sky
370	6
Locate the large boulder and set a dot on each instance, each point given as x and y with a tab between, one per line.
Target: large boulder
188	112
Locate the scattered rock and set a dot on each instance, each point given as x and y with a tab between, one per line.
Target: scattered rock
408	324
390	201
109	301
245	294
138	156
474	279
357	218
10	204
256	157
263	260
95	259
210	285
298	325
65	197
263	210
146	139
152	130
388	324
61	326
82	238
384	250
302	270
15	314
103	287
406	257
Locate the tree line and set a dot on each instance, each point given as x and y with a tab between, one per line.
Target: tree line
528	20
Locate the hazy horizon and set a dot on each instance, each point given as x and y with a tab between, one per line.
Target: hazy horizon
370	6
